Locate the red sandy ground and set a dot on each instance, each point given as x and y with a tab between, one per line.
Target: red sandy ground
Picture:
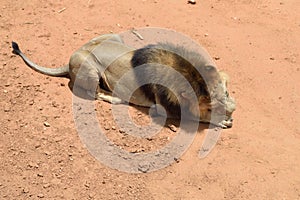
258	45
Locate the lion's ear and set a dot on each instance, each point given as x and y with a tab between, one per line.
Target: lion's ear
186	95
190	97
210	73
210	69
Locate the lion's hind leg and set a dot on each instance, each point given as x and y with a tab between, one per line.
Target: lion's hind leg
107	96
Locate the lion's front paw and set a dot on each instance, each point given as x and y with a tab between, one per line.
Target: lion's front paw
226	123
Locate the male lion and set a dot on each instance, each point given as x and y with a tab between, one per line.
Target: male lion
148	76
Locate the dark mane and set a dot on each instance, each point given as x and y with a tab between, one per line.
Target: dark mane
189	64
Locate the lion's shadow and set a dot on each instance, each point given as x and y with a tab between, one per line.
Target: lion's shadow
187	125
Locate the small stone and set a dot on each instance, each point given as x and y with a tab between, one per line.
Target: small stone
6	108
144	167
54	104
272	58
62	84
5	91
172	127
7	84
46	185
193	2
41	195
122	131
46	124
259	161
113	128
32	165
25	190
40	175
216	128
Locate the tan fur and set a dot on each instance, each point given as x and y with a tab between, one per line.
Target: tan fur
213	103
108	58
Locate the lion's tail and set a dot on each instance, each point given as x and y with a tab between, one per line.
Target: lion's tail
61	71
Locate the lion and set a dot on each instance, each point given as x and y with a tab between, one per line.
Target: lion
111	71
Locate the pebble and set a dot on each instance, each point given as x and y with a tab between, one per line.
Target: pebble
25	190
54	104
122	131
172	127
46	124
144	167
46	185
32	165
40	195
192	1
259	161
6	108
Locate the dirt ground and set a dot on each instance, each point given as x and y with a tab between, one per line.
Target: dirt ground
256	42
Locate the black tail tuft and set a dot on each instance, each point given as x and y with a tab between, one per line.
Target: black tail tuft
16	49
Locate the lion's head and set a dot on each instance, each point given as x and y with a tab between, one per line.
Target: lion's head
218	106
